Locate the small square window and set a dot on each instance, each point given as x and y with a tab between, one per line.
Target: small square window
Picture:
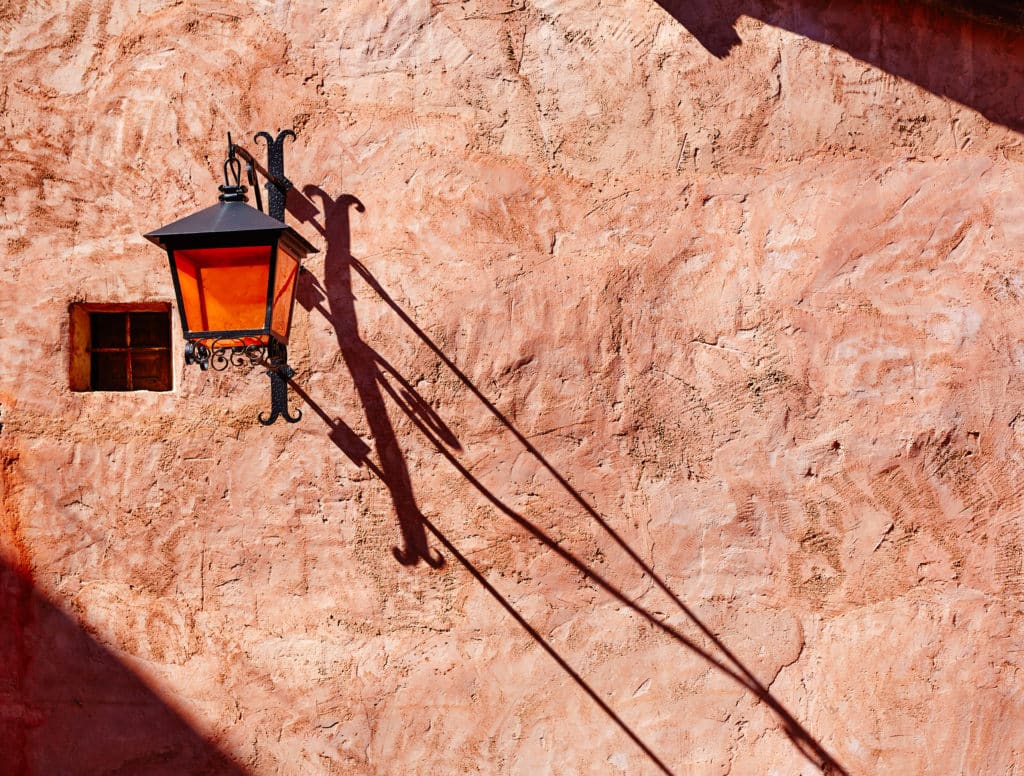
121	347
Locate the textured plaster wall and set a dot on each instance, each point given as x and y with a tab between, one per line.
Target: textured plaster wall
662	389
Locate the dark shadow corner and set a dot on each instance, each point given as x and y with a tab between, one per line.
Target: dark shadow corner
68	705
971	53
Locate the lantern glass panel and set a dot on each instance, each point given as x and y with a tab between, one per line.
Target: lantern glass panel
284	293
224	289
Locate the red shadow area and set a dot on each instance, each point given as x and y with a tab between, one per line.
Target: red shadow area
945	49
68	705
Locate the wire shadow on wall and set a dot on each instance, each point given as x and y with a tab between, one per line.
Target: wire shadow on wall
373	377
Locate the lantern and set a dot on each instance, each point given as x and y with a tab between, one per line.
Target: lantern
235	270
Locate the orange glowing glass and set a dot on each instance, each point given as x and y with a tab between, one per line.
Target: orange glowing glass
224	289
284	293
235	272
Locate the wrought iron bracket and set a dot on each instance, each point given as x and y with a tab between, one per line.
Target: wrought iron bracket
279	397
277	184
273	356
279	373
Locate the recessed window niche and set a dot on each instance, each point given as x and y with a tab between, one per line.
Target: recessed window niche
120	347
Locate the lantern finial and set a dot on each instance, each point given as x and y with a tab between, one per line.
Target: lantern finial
233	192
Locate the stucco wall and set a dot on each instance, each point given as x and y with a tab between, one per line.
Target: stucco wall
661	373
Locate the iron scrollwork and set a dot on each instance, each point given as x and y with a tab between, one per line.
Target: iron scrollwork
272	355
220	357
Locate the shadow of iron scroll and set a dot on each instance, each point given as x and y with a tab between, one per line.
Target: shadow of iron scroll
336	302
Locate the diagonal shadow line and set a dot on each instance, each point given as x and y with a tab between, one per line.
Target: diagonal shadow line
802	739
827	764
306	210
340	431
545	645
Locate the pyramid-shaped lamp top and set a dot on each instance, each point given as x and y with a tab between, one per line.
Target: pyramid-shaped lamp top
234	270
227	223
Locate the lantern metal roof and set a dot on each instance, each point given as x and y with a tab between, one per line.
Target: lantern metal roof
232	219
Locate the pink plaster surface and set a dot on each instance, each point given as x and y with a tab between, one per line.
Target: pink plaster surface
675	351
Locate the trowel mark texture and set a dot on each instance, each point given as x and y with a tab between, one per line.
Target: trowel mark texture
756	311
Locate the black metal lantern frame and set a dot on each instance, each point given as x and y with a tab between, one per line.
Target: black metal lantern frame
241	243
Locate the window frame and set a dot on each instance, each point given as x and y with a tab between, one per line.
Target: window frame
80	331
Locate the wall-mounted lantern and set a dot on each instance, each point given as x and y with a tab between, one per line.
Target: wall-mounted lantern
235	270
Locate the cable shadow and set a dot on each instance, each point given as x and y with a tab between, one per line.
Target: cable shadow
336	229
341	434
977	62
69	705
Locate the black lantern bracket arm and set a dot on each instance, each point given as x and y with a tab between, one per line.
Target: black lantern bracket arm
278	185
279	373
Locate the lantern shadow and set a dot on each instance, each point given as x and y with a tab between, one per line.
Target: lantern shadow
972	61
68	705
339	433
371	371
